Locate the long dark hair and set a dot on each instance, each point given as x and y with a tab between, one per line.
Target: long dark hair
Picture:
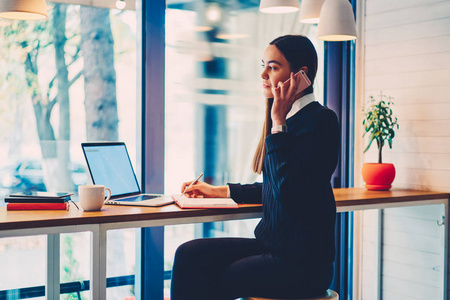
299	52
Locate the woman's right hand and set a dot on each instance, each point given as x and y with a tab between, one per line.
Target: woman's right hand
283	98
204	190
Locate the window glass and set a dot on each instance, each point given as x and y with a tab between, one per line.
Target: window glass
23	262
65	80
214	106
121	255
75	261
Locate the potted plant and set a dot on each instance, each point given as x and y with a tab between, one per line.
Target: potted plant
379	123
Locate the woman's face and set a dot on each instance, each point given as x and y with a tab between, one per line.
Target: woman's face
275	69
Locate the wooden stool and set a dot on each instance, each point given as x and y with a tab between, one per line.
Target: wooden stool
330	295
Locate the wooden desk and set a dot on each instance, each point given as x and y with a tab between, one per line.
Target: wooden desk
53	223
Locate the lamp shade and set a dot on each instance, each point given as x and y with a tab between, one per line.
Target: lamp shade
310	11
278	6
337	21
121	4
23	9
230	30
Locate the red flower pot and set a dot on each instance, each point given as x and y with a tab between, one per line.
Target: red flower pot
378	176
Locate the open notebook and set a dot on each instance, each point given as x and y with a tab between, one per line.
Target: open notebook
185	202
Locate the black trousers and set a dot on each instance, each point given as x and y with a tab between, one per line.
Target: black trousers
230	268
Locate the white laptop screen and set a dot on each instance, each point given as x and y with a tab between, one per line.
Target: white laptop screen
110	166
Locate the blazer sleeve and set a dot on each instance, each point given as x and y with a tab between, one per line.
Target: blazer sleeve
246	193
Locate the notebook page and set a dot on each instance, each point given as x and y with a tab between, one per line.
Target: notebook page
185	202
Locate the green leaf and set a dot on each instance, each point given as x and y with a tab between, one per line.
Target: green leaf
379	120
368	146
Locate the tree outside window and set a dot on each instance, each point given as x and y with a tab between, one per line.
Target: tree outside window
64	80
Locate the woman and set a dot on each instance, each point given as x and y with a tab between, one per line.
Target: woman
293	252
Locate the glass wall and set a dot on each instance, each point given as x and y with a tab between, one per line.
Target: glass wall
65	80
214	106
53	96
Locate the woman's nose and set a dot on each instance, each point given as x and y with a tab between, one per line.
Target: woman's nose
264	74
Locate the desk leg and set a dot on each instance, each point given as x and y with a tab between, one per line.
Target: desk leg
52	286
445	254
98	264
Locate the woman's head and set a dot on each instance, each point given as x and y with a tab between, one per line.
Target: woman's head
285	54
297	52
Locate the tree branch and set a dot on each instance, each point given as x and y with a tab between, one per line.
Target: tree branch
75	78
73	35
50	85
75	57
50	105
48	44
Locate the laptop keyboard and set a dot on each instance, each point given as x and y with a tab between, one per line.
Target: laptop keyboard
147	197
139	198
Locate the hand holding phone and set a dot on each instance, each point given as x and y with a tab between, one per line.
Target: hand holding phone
303	84
284	98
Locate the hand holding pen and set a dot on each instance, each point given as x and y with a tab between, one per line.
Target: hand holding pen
199	189
186	188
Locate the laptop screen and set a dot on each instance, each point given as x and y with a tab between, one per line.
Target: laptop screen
110	166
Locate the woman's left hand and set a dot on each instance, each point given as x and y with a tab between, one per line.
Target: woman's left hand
284	95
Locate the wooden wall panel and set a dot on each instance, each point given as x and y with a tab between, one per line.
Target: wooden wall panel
425	128
425	243
440	77
421	144
427	212
427	161
407	56
383	6
394	288
414	226
408	15
419	258
401	48
405	64
423	179
415	31
429	94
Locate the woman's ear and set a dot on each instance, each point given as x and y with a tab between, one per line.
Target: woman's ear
305	69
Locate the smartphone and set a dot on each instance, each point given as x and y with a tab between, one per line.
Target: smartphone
304	82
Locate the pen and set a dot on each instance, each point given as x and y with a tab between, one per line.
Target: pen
192	183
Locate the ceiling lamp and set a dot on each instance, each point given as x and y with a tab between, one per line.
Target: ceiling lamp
213	13
231	36
202	28
337	21
120	4
231	30
310	11
23	9
278	6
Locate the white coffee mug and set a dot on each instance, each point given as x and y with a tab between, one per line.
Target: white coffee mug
92	197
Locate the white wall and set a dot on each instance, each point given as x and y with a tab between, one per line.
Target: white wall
405	52
407	56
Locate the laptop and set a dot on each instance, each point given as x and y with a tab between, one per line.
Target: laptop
110	165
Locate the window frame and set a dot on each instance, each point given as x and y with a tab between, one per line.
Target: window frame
149	283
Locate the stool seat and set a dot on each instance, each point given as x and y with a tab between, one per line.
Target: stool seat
330	295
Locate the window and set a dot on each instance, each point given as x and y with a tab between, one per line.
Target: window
64	80
214	104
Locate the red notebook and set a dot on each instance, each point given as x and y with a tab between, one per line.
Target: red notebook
37	206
